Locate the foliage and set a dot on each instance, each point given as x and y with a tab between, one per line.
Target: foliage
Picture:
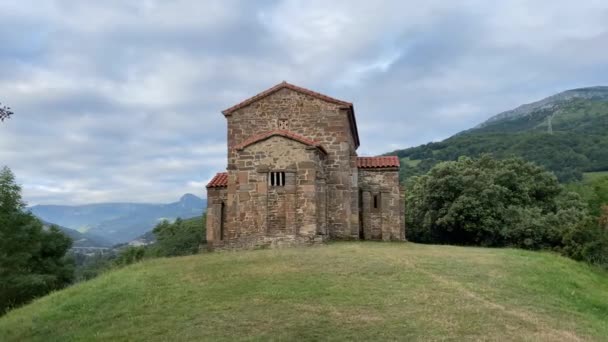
5	112
130	255
90	266
32	260
509	202
344	291
588	242
182	237
483	202
594	191
578	142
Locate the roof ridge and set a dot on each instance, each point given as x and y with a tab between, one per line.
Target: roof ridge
278	87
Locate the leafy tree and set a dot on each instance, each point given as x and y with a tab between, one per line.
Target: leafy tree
180	237
594	191
5	112
130	255
32	260
588	242
491	202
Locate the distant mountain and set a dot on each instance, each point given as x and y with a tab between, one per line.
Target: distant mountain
80	239
550	103
567	133
119	222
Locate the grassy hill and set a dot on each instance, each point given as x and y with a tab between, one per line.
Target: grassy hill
566	133
354	291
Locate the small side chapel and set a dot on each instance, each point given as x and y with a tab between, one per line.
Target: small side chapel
293	176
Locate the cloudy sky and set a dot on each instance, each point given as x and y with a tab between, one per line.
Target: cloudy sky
121	100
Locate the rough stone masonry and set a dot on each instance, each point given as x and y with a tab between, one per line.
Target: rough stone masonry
293	176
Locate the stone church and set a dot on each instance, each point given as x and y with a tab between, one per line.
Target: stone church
294	177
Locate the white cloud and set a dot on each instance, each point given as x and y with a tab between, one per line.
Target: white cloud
121	101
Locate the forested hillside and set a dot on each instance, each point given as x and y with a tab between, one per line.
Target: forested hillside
566	133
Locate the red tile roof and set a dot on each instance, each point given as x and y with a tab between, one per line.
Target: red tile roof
279	87
220	180
377	162
277	132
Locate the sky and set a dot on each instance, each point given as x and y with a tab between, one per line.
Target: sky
120	101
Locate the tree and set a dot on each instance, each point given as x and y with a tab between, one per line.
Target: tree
491	202
180	237
5	112
32	260
130	255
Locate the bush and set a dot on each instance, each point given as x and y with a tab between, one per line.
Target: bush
489	202
587	242
180	237
130	255
509	202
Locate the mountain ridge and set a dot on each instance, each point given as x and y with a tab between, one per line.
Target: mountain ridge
118	222
566	133
593	92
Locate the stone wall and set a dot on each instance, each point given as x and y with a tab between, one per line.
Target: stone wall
256	210
315	119
382	203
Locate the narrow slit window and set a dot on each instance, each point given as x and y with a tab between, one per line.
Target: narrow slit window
375	201
276	178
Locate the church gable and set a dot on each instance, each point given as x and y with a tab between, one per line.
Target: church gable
280	86
289	107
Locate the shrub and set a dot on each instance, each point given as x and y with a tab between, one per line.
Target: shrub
180	237
491	202
130	255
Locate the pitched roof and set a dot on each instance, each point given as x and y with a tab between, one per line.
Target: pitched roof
285	85
220	180
277	132
279	87
378	162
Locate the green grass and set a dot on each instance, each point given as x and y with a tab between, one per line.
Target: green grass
342	291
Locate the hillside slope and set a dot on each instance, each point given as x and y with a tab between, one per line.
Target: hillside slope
567	133
342	291
80	239
119	222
